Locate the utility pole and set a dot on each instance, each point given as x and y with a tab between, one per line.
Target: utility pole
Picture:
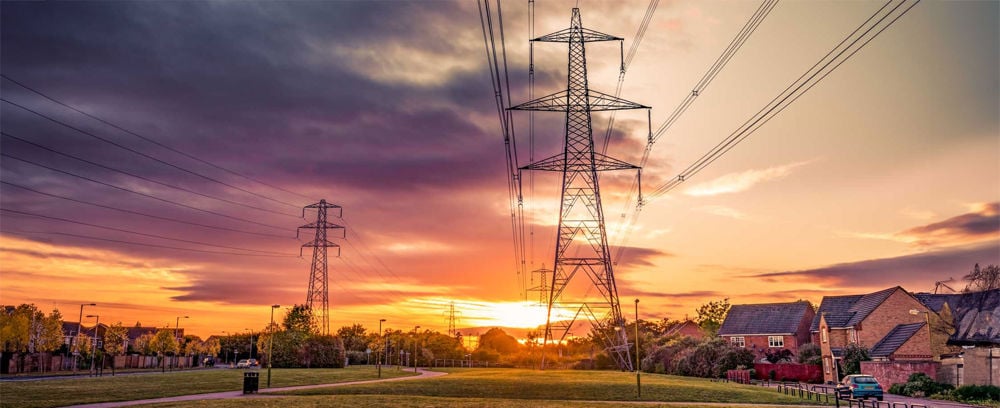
581	241
318	297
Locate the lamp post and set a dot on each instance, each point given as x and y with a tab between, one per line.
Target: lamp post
638	383
227	343
177	323
79	328
378	359
93	344
250	344
270	344
415	348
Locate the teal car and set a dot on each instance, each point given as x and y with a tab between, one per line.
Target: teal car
859	386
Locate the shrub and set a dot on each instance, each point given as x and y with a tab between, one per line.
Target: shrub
977	393
810	353
920	385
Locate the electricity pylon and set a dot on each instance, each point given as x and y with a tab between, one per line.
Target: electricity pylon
318	278
582	242
452	319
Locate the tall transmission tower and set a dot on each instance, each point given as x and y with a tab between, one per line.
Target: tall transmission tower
582	242
318	296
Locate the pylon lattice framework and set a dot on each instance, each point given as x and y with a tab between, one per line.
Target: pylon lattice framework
582	244
318	274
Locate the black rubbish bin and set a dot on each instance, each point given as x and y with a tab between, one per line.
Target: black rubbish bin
251	381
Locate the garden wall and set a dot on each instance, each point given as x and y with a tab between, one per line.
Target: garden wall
810	373
896	372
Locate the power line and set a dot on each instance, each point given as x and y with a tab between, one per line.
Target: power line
791	93
186	190
123	147
204	251
185	154
634	192
138	233
142	213
10	156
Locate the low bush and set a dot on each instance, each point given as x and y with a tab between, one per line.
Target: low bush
977	393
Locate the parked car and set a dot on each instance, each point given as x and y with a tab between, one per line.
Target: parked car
244	363
859	386
208	362
253	363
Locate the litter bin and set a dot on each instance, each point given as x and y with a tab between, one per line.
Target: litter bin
251	381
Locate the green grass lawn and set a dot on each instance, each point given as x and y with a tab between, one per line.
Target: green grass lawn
409	401
68	391
518	384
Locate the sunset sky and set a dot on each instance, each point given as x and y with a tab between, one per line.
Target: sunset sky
886	173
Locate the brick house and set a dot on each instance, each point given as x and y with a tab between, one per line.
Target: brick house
891	323
686	328
974	336
769	326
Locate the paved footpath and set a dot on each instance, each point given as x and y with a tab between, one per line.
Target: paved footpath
239	394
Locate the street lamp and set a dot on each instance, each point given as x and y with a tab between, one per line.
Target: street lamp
251	342
378	359
415	348
638	383
79	328
177	323
93	348
270	345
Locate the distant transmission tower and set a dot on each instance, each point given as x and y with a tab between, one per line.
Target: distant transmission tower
582	242
318	297
452	319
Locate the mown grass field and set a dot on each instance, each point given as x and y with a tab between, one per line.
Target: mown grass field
409	401
519	385
69	391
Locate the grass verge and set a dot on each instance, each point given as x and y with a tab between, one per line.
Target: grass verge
69	391
516	384
409	401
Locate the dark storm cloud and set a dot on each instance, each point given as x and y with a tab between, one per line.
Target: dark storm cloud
980	224
916	270
251	85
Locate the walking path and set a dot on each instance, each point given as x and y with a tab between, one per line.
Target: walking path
239	394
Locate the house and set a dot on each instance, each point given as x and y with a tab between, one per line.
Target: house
769	326
686	328
974	335
98	332
892	324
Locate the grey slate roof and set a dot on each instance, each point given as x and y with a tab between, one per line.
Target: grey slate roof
848	311
767	318
894	339
976	314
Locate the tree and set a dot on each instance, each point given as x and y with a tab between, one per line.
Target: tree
711	315
322	352
162	343
299	319
15	330
50	337
498	340
144	344
853	356
354	337
983	279
114	342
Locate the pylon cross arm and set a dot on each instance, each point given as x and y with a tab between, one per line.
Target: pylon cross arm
596	101
586	34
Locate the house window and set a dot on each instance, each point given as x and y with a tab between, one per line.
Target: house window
823	336
853	334
827	364
738	341
776	341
